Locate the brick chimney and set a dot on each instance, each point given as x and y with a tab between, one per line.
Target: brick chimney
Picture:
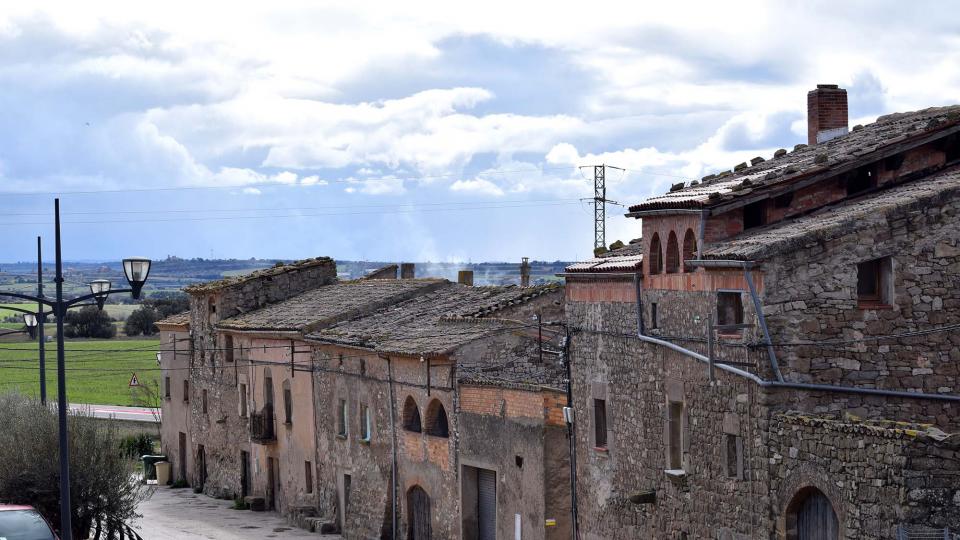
465	277
826	113
407	271
525	272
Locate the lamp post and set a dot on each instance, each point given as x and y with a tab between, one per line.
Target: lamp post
136	270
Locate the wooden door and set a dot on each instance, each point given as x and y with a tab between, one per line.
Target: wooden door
271	485
816	519
418	514
182	457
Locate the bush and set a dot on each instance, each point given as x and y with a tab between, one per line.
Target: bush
88	322
141	322
180	483
135	446
102	484
240	504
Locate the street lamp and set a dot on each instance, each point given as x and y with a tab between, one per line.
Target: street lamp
100	288
30	321
137	269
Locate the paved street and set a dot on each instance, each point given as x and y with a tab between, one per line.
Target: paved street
141	414
182	514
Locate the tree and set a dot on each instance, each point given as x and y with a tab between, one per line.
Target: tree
169	304
103	488
141	322
88	322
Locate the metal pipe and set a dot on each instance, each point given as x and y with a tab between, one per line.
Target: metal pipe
571	438
763	324
393	451
722	263
66	527
40	318
638	286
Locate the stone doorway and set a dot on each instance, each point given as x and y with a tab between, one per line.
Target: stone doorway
418	514
810	516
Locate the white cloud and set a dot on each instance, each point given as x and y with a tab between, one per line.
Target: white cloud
477	185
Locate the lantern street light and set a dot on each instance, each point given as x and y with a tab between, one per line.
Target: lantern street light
137	269
30	321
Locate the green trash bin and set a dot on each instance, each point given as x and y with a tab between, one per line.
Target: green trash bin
149	466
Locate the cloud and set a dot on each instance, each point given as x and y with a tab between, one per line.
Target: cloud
477	185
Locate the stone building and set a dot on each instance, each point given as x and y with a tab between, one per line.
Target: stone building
175	363
378	407
778	356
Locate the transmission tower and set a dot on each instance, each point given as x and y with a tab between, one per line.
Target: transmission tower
600	204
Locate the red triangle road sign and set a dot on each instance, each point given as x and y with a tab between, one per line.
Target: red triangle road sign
134	381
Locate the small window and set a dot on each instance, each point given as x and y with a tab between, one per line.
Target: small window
783	201
733	450
673	254
729	309
211	306
411	416
675	435
166	387
342	418
437	420
364	423
859	181
653	315
287	403
186	391
243	400
308	476
228	348
600	423
754	215
656	255
873	282
689	250
203	400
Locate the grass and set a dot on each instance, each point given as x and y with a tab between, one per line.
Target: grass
98	371
117	311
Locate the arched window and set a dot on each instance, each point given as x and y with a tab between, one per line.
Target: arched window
656	255
810	516
673	254
437	420
689	249
411	416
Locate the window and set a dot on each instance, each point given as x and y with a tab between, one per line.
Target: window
203	400
411	416
654	323
600	423
689	249
342	418
656	255
874	280
673	254
211	305
733	455
186	391
228	348
243	400
437	420
783	201
754	215
729	309
166	387
308	476
364	423
287	403
675	435
859	181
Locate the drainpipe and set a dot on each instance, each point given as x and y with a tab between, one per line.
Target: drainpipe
638	286
571	436
393	451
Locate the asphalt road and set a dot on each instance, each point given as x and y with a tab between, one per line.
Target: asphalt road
137	414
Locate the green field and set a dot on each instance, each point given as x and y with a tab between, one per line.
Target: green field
98	371
117	311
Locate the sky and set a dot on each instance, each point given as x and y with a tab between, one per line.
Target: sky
415	131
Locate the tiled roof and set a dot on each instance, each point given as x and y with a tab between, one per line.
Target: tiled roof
830	222
433	323
629	258
180	319
329	304
259	274
862	144
520	373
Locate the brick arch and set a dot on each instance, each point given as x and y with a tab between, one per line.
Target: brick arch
673	254
411	416
656	255
689	249
437	420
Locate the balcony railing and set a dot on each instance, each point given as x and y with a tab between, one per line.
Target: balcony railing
261	426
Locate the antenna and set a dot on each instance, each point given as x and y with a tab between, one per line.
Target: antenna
599	203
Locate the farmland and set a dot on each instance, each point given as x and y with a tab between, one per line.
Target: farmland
98	371
119	312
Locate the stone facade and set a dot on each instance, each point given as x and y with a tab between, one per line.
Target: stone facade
175	429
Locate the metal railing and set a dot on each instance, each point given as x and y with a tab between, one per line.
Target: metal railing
922	532
261	426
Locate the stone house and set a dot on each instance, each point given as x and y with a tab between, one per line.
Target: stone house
370	404
175	362
778	356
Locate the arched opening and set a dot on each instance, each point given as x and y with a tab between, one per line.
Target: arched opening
411	416
656	255
810	516
437	420
689	249
673	254
287	403
418	514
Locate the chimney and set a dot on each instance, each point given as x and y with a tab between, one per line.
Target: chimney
465	277
826	113
407	271
525	272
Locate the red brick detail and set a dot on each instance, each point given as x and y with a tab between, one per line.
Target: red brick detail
553	404
705	280
826	109
438	452
480	400
601	291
